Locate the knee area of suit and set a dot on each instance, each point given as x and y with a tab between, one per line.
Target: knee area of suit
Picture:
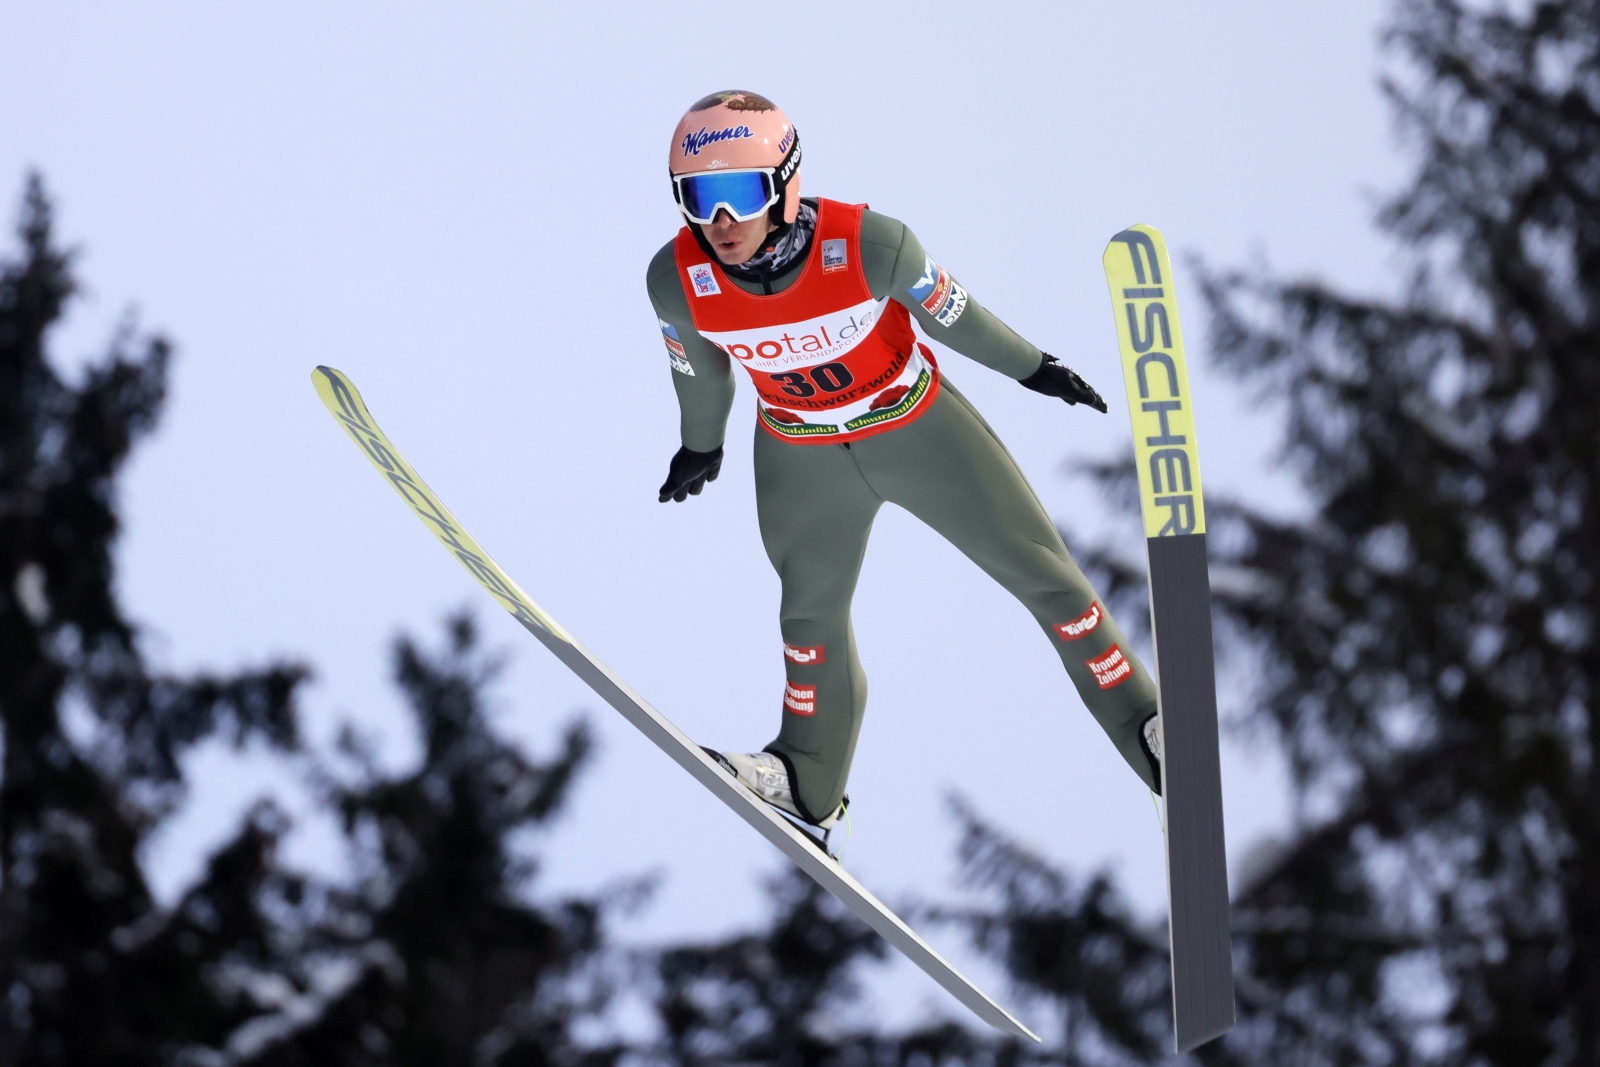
1057	606
812	624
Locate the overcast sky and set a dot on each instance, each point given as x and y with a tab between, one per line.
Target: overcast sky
455	205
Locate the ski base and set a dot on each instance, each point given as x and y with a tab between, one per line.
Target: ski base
1191	782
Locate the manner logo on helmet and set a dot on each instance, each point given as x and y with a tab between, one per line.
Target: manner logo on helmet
704	282
1110	669
939	294
815	654
693	142
800	699
1071	631
834	256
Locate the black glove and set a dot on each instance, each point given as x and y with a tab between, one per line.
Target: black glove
689	473
1053	378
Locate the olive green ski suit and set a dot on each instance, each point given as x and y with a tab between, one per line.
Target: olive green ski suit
816	504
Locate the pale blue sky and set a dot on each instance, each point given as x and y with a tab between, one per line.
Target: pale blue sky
455	204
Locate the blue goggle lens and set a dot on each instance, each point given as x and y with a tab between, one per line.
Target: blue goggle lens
745	193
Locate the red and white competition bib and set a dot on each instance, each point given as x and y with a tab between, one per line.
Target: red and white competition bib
830	363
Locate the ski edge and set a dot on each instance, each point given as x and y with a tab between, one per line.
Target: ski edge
344	402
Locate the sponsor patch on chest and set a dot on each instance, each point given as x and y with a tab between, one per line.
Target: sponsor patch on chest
814	654
939	294
801	699
834	256
703	281
1111	668
800	344
1083	624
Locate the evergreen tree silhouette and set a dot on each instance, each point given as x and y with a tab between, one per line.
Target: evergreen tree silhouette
1430	631
92	970
769	997
1092	979
437	955
1427	634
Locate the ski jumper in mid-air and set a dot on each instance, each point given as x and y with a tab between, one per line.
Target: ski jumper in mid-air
815	299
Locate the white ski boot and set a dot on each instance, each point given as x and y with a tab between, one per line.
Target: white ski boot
1152	736
765	775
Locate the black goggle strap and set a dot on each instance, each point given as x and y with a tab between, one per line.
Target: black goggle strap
789	164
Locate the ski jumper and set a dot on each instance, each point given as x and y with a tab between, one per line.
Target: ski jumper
824	468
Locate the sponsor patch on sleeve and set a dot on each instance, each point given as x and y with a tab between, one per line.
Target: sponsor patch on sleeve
1110	669
834	256
680	360
1083	624
802	699
704	282
815	654
939	294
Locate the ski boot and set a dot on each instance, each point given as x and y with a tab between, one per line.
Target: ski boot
1150	741
765	775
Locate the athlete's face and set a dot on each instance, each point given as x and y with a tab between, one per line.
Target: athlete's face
735	242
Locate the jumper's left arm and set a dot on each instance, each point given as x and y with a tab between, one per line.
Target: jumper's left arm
897	267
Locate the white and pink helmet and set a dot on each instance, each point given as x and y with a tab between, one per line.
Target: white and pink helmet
735	151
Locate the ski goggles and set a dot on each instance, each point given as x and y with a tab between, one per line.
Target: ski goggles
744	194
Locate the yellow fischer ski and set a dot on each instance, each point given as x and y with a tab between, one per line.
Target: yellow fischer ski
1160	406
347	407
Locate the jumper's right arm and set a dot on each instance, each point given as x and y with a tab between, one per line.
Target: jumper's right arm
702	374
